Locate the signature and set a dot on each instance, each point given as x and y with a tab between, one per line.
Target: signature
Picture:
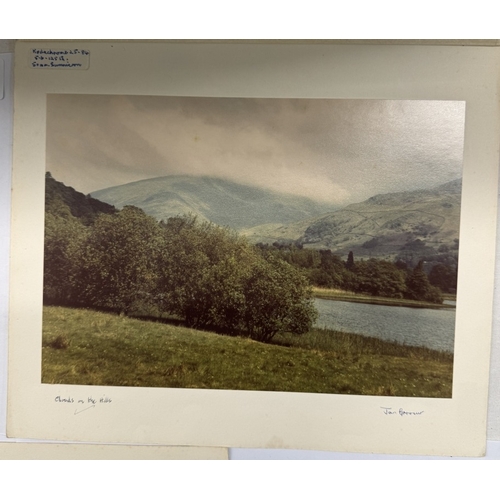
401	412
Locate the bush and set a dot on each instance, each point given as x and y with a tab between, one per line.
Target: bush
119	262
214	279
277	300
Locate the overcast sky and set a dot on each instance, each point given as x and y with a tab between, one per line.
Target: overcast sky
341	151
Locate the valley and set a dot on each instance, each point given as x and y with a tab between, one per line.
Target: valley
408	225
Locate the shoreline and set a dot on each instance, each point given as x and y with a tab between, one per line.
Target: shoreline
329	294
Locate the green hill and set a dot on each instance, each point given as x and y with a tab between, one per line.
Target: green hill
62	200
382	226
220	201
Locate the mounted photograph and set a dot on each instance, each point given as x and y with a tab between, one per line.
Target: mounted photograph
253	244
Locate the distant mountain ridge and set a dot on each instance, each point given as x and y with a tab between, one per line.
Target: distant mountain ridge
221	201
408	224
385	225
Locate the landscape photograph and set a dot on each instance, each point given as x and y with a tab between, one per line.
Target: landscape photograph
256	244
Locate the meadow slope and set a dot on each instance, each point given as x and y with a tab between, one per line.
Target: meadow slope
86	347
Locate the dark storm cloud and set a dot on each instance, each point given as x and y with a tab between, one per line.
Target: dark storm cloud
335	150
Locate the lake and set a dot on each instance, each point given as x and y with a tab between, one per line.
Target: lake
433	328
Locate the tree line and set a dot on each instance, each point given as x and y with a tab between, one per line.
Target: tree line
375	277
204	274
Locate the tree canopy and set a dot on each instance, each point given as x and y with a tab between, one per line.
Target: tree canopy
215	279
205	274
419	288
118	261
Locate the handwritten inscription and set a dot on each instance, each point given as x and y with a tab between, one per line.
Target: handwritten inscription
401	412
84	404
60	59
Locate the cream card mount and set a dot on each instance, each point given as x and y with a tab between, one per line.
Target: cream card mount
119	75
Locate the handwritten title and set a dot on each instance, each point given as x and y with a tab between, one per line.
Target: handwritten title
83	404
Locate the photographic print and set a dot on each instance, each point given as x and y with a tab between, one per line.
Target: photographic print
254	245
271	244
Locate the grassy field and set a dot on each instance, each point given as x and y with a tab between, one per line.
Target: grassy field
337	294
94	348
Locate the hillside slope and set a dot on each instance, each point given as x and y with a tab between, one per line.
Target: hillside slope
62	200
381	226
220	201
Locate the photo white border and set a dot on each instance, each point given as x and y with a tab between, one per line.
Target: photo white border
455	426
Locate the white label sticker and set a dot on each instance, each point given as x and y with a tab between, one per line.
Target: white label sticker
59	58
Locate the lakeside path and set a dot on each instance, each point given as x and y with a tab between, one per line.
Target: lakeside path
332	294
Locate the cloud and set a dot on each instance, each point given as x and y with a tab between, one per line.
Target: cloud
333	150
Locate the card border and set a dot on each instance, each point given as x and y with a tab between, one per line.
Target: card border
256	419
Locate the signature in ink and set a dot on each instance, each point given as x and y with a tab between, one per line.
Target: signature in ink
401	412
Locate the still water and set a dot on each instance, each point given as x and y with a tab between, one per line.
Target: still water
433	328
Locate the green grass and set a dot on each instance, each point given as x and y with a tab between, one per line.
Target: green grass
337	294
93	348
